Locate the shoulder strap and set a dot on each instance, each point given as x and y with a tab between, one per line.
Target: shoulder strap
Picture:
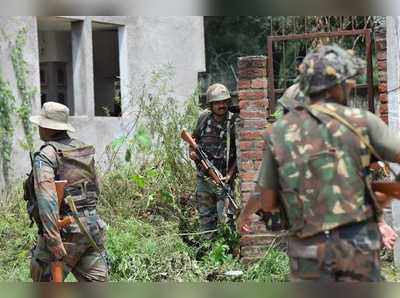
228	140
203	119
339	118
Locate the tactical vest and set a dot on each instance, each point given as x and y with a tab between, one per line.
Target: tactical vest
321	166
212	139
76	165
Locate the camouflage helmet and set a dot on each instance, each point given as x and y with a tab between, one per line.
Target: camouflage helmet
217	92
328	66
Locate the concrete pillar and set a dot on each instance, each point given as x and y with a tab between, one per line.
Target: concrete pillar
82	64
124	70
393	79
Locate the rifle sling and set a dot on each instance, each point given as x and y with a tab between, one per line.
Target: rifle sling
83	229
339	118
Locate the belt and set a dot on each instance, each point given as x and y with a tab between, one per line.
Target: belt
85	212
77	191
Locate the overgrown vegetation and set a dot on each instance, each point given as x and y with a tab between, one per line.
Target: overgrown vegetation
7	104
26	92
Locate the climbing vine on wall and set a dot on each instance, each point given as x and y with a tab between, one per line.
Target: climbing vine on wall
7	106
27	93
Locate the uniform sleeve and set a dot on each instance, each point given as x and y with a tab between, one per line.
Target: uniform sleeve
196	131
385	141
44	164
267	176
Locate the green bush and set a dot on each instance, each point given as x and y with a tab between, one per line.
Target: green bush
16	237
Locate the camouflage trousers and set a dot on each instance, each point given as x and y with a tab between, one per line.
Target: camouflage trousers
212	205
82	260
348	253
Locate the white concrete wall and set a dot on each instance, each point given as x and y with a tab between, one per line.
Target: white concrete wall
146	43
393	72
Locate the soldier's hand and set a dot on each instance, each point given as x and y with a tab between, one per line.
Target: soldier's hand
193	155
243	224
227	178
56	247
389	236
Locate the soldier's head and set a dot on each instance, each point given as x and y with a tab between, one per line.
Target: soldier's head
53	119
329	72
218	98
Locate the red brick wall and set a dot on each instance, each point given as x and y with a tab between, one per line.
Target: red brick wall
253	103
381	63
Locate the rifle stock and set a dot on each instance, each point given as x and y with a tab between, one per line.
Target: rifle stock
189	139
57	271
390	189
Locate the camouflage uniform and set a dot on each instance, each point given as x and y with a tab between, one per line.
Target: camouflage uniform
319	167
212	137
80	258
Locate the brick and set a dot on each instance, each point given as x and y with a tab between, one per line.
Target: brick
247	165
381	65
383	99
252	95
382	88
252	61
246	196
246	145
380	45
253	114
259	105
252	73
247	186
381	55
254	123
244	84
259	84
260	145
383	109
248	176
251	135
382	77
251	155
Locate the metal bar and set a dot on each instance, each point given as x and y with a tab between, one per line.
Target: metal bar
368	53
319	35
271	81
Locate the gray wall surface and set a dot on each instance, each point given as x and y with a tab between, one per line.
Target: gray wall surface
393	72
145	44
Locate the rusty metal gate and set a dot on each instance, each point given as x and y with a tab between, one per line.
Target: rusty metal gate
285	52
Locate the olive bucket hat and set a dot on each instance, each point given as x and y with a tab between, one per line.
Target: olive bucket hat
53	116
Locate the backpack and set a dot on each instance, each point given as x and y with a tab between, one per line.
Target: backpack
31	201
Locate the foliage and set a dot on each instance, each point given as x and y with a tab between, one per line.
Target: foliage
27	93
17	238
7	105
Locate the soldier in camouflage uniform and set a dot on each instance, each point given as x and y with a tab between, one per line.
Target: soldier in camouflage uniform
215	134
318	165
63	158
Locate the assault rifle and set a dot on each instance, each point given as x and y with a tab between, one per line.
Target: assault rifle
211	170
